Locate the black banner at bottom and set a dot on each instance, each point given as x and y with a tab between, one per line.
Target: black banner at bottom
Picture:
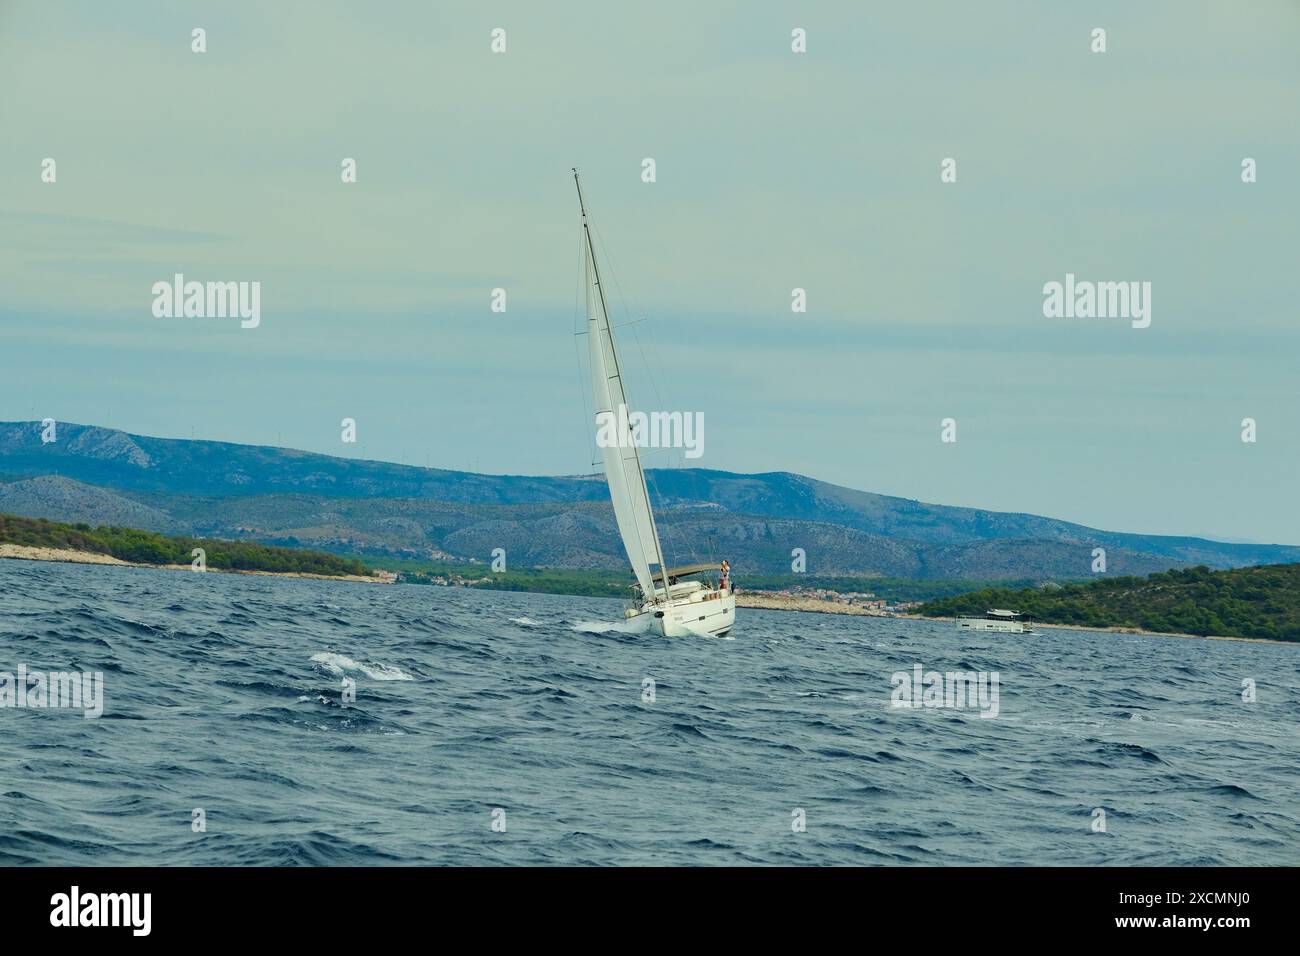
339	905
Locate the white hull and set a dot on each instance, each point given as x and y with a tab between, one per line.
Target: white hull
983	624
702	614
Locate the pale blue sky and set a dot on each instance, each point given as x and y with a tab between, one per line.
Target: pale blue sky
775	170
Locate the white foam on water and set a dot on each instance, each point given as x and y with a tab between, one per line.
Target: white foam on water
525	622
638	625
338	664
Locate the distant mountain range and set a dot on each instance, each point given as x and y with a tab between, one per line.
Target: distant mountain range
282	496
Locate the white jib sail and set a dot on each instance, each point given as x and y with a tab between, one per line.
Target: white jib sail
627	487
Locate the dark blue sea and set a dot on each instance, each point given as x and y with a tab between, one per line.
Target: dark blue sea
222	693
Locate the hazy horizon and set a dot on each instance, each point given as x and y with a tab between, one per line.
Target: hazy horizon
775	171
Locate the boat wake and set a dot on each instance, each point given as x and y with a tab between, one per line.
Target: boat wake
637	625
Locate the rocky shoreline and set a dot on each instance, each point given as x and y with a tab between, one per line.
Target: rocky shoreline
783	602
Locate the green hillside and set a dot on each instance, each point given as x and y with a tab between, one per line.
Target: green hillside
146	547
1243	602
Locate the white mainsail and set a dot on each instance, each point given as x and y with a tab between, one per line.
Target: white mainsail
623	471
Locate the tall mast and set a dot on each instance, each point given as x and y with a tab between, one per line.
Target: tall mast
618	373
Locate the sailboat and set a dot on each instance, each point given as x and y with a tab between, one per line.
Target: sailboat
672	601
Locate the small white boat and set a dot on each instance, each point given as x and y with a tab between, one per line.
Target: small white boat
671	600
997	619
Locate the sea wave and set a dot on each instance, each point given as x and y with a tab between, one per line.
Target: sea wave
341	665
603	744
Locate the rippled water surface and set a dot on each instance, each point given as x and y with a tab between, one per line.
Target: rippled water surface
223	693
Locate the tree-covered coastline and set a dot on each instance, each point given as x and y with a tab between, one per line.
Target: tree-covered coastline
1260	602
148	547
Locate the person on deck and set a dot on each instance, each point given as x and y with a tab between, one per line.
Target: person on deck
725	581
